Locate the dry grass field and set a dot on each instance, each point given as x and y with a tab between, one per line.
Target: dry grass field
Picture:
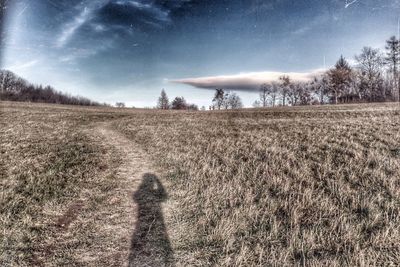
306	186
47	163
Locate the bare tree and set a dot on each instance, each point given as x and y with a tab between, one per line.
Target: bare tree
293	93
7	80
234	101
163	102
265	90
285	87
304	92
393	60
370	64
274	93
225	103
320	87
219	98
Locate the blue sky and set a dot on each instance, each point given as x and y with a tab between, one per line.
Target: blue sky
128	50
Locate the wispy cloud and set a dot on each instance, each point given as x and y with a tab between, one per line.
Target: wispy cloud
349	3
245	81
147	12
70	28
22	65
75	54
155	11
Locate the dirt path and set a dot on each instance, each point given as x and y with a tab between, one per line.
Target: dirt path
137	222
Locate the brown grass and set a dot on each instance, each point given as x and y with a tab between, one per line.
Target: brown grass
286	186
47	163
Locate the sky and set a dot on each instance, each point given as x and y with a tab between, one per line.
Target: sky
128	50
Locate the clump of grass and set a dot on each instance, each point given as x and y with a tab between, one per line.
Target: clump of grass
309	186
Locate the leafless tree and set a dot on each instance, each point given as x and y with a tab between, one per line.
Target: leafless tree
225	103
320	87
305	95
393	61
234	101
265	90
274	93
285	87
293	93
370	78
219	98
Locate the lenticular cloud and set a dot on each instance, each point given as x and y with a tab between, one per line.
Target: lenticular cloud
246	81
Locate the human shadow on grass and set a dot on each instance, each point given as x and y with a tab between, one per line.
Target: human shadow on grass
150	244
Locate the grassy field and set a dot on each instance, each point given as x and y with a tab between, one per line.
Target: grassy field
47	162
285	186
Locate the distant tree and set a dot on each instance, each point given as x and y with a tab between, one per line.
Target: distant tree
265	90
7	79
274	92
393	60
219	98
320	87
234	101
203	108
225	102
14	88
293	93
120	105
163	102
370	64
193	107
285	87
256	104
179	103
340	78
304	91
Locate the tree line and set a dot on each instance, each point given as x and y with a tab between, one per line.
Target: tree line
225	100
374	78
14	88
179	103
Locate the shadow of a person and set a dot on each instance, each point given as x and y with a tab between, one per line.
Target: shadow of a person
150	244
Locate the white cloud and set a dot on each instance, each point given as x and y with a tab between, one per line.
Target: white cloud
70	28
245	81
156	12
349	3
22	65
